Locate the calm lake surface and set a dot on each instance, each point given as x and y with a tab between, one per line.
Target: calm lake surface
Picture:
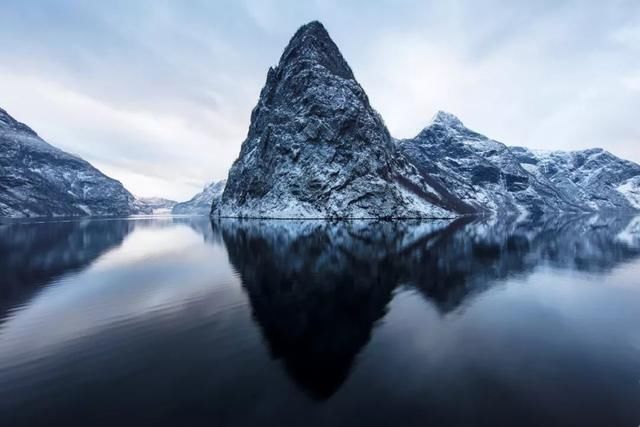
184	321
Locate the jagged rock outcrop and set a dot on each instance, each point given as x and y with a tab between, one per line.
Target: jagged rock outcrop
483	173
495	178
37	179
594	178
201	203
316	147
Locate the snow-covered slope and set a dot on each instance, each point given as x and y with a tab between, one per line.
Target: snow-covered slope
483	173
37	179
200	204
594	178
316	148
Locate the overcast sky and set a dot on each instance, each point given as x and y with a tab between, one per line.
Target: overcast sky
158	94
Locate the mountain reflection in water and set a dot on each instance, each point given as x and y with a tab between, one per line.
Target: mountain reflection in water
317	288
477	321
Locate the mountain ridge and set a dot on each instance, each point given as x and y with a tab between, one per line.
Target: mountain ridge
40	180
451	169
201	203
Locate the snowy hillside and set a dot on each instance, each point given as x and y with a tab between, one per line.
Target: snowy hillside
37	179
157	205
200	204
595	178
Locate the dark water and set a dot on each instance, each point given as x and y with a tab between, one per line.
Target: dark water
186	322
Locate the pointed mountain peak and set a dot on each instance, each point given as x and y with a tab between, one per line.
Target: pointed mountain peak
312	43
8	123
451	125
313	27
446	119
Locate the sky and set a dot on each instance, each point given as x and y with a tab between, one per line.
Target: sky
158	93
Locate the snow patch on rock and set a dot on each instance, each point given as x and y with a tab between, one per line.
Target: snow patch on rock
630	189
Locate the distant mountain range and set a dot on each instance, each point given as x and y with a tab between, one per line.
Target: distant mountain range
317	149
157	205
200	204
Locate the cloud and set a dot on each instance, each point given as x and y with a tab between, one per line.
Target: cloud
628	36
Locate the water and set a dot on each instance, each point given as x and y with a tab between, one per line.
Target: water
181	321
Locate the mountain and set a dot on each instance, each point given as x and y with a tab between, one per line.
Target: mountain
201	203
483	173
37	179
594	178
495	178
155	205
316	147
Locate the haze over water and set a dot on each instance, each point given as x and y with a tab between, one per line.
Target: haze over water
183	321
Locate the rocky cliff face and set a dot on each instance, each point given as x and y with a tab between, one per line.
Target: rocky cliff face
595	178
483	173
201	203
316	147
37	179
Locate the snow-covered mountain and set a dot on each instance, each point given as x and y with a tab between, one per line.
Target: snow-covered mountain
37	179
481	172
201	203
493	177
595	178
316	148
157	205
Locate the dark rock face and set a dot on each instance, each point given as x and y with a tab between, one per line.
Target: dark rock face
316	148
201	203
483	173
37	179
